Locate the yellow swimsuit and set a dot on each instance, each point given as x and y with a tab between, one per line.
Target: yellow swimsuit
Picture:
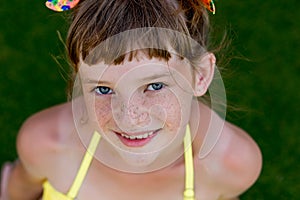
50	193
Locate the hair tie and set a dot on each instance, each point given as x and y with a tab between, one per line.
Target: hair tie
63	5
209	4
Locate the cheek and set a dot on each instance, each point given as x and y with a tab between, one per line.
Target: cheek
103	111
165	107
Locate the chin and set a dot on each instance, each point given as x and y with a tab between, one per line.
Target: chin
139	160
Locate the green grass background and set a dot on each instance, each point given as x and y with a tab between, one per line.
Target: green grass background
267	86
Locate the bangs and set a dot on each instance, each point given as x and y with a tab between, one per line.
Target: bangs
152	42
107	30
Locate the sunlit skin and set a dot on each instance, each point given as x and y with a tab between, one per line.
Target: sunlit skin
137	98
115	107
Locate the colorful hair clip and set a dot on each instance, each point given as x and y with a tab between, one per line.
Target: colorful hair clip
209	4
61	5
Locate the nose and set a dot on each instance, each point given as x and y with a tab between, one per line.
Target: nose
131	115
136	113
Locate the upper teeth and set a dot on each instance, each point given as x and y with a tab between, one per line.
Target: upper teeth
134	137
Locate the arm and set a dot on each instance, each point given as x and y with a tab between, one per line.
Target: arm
25	179
22	185
5	173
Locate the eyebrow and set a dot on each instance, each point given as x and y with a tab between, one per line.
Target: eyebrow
148	78
95	81
157	76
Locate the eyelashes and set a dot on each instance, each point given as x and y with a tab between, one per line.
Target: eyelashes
155	86
104	90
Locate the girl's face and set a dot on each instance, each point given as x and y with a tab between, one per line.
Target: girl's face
140	107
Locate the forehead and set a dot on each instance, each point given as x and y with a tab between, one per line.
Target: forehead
140	67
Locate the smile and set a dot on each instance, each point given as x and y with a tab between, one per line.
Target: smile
137	140
137	137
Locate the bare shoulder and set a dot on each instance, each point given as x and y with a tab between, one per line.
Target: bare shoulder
239	159
42	136
233	163
242	157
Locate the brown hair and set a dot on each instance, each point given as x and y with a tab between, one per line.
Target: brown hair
95	21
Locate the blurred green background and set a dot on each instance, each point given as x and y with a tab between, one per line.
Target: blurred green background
266	87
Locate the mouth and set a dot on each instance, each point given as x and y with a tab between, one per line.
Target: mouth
137	140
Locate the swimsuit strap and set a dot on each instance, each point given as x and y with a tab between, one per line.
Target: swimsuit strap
88	157
189	193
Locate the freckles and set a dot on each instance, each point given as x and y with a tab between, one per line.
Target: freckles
166	107
173	111
103	111
155	106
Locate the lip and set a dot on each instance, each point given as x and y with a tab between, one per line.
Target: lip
136	142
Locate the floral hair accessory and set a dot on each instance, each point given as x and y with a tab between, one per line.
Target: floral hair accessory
209	4
61	5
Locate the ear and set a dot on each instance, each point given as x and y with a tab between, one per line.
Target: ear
204	74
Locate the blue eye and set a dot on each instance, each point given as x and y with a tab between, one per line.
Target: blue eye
102	90
155	86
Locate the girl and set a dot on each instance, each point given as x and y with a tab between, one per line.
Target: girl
134	128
